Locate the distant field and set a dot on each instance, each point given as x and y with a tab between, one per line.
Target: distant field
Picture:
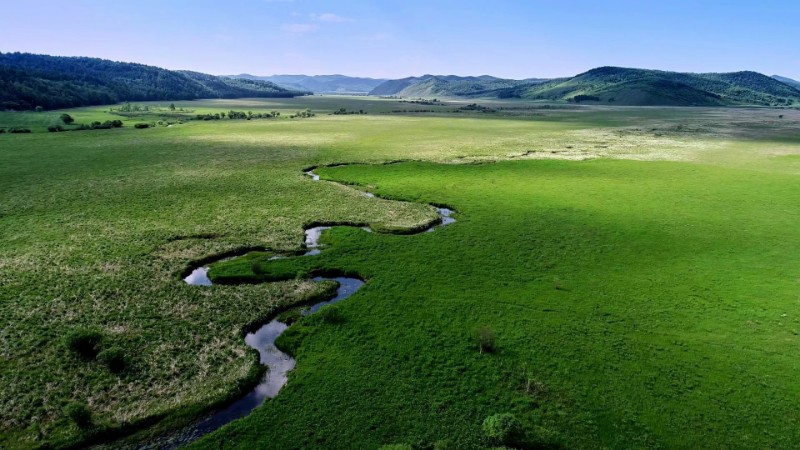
639	302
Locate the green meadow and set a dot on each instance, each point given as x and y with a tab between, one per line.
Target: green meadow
635	269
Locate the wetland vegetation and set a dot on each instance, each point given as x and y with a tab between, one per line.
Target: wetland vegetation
616	277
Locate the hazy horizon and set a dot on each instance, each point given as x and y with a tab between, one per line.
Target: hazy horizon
396	39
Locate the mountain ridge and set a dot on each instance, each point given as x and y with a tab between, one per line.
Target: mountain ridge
319	84
607	84
28	81
786	80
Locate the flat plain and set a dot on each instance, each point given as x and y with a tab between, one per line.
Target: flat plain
637	268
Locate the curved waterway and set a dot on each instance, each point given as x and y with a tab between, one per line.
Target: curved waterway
278	363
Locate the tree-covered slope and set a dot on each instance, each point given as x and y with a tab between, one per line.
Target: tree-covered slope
626	86
446	85
617	85
28	81
789	81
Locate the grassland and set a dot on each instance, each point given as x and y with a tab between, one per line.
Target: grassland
672	326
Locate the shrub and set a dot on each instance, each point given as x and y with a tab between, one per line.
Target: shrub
484	338
2	130
38	109
84	343
79	414
330	314
142	125
67	119
18	130
502	429
55	128
395	447
114	359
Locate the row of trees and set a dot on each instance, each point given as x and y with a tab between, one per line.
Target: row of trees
238	115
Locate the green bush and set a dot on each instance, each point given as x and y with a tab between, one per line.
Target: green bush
330	314
55	128
67	119
395	447
84	343
142	125
502	429
19	130
484	338
79	414
114	359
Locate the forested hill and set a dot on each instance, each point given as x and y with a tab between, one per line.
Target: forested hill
28	81
612	85
789	81
447	86
624	86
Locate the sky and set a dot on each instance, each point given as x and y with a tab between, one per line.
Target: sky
394	38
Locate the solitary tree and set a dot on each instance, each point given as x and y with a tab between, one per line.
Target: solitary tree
67	119
172	106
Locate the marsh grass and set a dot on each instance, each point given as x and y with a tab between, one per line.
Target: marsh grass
97	226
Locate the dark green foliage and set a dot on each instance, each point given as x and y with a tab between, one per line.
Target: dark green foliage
344	111
28	80
395	447
331	315
484	338
55	128
19	130
2	130
585	98
114	359
142	125
84	343
502	429
79	414
66	118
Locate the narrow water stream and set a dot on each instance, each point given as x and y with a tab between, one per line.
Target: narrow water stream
278	364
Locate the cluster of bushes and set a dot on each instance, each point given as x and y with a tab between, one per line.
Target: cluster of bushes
90	345
344	111
303	114
476	107
141	125
96	125
15	130
584	98
434	102
238	115
412	110
502	430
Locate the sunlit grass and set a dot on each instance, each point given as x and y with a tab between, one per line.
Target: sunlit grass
96	226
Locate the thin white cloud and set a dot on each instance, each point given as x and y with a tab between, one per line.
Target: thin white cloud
299	28
330	17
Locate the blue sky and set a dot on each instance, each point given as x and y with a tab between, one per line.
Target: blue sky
393	38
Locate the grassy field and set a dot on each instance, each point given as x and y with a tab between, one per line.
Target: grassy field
643	303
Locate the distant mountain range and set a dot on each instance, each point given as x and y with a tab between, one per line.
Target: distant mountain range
611	85
28	81
789	81
448	86
319	84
